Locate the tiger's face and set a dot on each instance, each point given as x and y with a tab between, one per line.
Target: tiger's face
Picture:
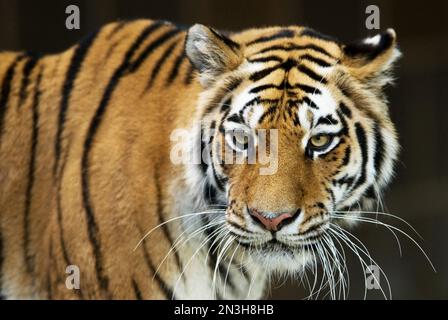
297	133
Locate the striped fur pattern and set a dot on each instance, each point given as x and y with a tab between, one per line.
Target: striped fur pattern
85	169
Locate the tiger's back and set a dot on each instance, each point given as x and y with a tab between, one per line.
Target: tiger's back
52	108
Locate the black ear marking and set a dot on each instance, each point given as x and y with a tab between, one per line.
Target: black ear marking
371	48
371	60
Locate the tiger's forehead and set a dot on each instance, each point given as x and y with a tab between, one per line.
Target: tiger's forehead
273	106
286	91
287	69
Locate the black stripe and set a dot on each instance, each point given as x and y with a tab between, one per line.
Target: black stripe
224	117
269	113
265	72
307	89
310	103
69	83
27	70
4	97
347	154
235	118
293	47
370	192
266	87
345	110
29	257
154	45
92	226
203	164
163	58
345	129
137	291
286	86
5	90
362	141
347	180
176	66
230	282
209	192
168	292
215	102
295	118
313	75
117	28
238	227
232	85
218	181
331	193
160	215
59	213
225	108
379	149
265	59
286	66
318	61
282	34
327	120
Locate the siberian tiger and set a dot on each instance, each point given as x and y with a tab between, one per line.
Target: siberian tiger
89	170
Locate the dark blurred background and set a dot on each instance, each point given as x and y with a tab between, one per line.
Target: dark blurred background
419	105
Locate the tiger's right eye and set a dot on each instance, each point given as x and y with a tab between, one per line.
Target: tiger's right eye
320	142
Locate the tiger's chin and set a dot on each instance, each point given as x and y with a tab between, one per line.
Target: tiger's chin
279	258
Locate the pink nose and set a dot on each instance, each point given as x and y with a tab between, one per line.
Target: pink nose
272	224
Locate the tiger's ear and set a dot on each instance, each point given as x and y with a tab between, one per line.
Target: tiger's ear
371	60
211	53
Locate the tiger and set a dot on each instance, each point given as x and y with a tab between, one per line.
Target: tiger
90	176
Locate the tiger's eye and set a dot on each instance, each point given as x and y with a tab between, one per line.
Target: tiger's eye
241	137
320	141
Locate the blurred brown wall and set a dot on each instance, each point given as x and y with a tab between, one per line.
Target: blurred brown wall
418	102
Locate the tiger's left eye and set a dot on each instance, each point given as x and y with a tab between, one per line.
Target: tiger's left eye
320	141
241	139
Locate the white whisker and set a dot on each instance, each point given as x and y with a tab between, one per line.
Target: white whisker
171	220
369	220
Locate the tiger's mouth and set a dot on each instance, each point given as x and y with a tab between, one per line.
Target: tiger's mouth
276	246
281	252
285	243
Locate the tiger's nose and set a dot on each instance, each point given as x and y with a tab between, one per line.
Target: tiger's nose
273	222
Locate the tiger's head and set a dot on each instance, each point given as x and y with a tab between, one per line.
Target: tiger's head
316	109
